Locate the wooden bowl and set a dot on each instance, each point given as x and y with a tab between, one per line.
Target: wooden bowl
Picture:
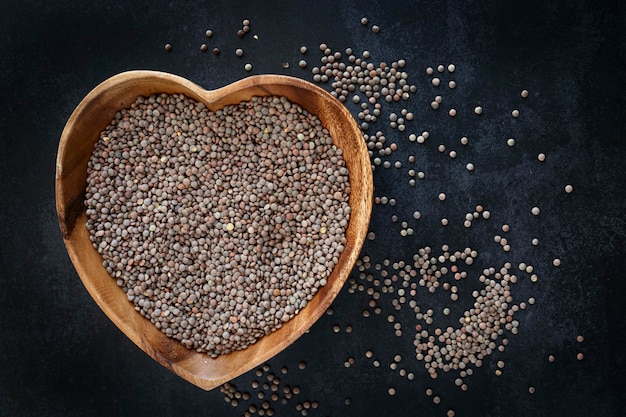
82	130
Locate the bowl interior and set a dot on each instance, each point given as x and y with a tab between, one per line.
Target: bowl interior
82	130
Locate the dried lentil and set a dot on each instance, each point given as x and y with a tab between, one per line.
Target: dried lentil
215	275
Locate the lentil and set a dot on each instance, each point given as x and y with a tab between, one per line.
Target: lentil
215	275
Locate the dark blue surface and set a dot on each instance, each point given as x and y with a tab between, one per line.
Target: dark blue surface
61	356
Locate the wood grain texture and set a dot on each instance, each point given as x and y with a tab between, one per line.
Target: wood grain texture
82	130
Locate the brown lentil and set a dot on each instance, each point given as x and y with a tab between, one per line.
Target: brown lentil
206	220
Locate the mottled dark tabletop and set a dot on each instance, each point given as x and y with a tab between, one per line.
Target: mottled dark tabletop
61	356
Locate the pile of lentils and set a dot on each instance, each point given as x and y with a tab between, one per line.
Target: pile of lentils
219	226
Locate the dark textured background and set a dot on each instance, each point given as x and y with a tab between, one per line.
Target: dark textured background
61	356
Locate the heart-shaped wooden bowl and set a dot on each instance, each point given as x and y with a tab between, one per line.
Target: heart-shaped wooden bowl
82	130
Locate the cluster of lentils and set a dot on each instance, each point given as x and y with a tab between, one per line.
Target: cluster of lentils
482	329
358	77
219	226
